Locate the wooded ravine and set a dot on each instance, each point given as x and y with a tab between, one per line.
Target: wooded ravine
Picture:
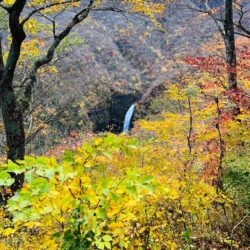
124	124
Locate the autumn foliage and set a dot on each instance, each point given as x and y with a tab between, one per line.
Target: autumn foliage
171	185
180	180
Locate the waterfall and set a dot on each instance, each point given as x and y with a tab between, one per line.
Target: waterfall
128	118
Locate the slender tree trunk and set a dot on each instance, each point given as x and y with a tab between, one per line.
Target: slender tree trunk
229	40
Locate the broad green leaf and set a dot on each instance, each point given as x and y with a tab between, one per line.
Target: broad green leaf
100	245
108	154
107	238
101	213
14	168
147	179
5	179
107	244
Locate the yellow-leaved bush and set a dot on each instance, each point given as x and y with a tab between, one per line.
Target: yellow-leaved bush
114	192
153	190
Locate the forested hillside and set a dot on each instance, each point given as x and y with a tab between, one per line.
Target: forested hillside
124	124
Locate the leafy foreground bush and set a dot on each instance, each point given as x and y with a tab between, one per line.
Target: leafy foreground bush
103	197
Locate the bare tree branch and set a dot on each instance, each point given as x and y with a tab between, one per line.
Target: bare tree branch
47	7
217	22
242	34
239	25
114	9
50	119
30	80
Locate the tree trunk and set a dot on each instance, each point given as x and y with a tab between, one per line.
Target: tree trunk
229	40
13	122
14	130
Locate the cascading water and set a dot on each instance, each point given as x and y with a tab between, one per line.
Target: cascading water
128	118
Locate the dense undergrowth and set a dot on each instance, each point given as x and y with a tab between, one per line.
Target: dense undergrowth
179	182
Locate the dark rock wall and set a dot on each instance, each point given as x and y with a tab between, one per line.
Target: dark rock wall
111	117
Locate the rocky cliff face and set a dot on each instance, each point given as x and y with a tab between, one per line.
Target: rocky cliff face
122	55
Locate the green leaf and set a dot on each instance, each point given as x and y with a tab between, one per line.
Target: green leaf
88	238
29	160
67	172
126	151
14	168
68	156
88	148
149	188
100	245
68	235
18	216
46	172
56	235
23	204
43	160
132	190
147	179
101	213
40	185
113	196
107	238
108	154
29	176
132	146
107	244
5	179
